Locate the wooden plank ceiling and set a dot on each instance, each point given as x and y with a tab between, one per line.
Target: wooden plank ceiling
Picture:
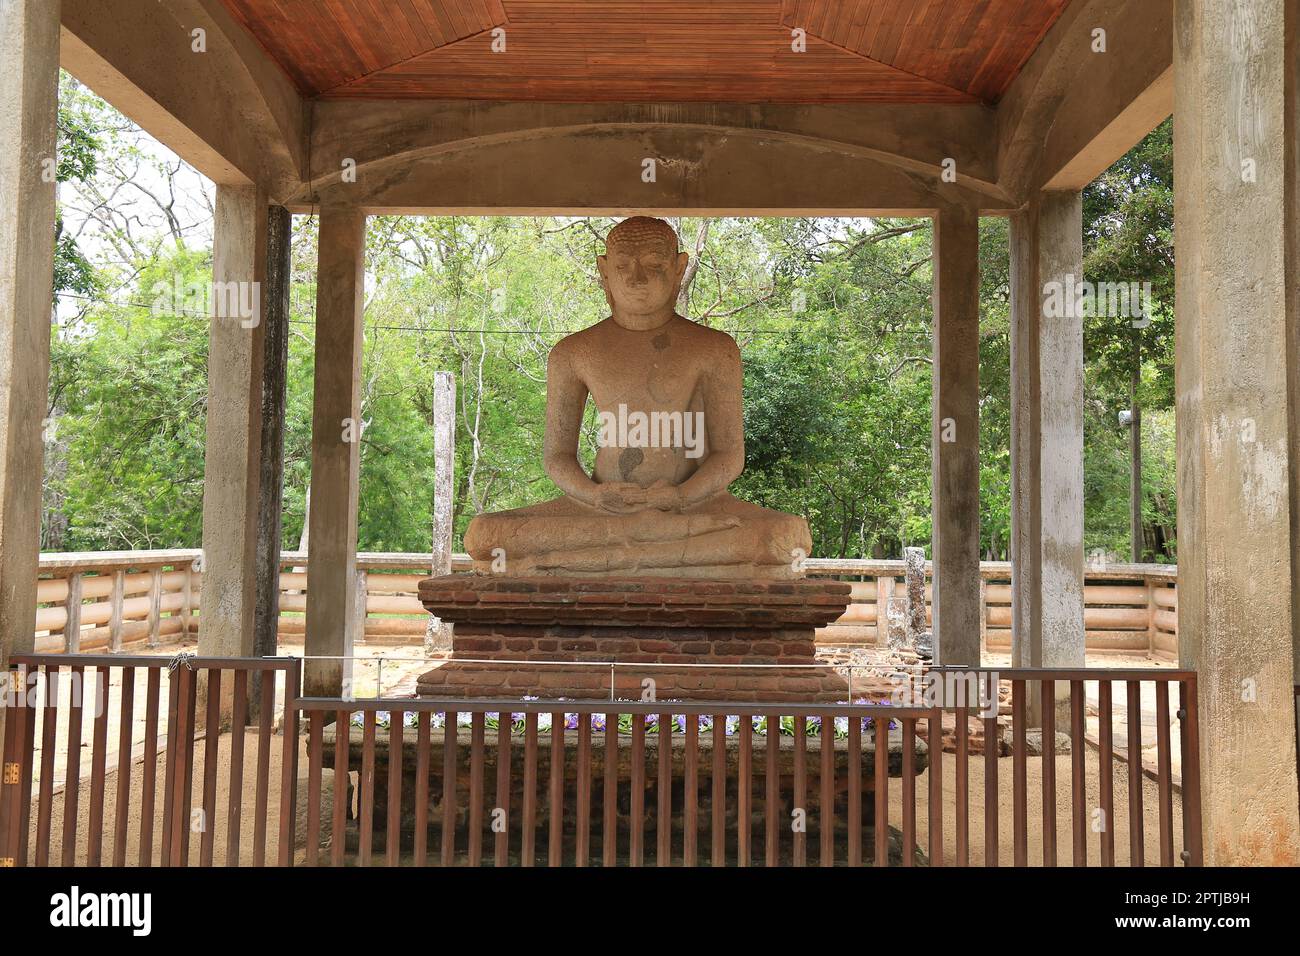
858	51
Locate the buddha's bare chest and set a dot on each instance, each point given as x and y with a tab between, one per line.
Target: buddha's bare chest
647	378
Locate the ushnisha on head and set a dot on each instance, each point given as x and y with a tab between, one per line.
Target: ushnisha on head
642	271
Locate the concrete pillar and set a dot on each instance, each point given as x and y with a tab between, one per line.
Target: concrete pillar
956	474
335	452
234	430
1047	434
270	486
437	635
1234	89
29	89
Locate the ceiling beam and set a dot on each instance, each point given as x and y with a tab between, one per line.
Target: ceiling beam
382	137
1072	112
599	171
230	111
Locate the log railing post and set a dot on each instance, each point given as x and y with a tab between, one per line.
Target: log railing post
72	623
362	585
884	594
155	604
115	614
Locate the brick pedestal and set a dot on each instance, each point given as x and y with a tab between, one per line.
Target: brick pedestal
553	637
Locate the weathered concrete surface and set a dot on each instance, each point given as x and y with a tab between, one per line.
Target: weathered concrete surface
1071	113
386	133
29	81
231	466
698	171
1047	435
1234	437
229	111
956	444
437	636
335	451
1060	363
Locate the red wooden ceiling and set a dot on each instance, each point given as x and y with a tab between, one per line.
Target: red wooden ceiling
858	51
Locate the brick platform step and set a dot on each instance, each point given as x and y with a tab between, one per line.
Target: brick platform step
491	680
649	601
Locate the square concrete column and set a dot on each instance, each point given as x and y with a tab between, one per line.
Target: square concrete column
29	91
335	452
1047	434
232	460
955	489
1235	74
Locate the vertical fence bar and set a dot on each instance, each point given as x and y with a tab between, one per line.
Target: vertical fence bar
636	838
339	810
909	791
315	735
826	810
1019	782
212	733
1047	702
745	783
98	760
609	794
555	834
1164	774
1136	837
664	792
49	726
72	759
178	824
501	845
238	728
992	796
771	781
880	790
1078	793
26	769
528	837
800	835
1189	734
690	794
9	794
393	824
366	798
855	789
185	826
582	845
148	787
1105	771
450	770
962	797
423	726
718	830
265	714
934	812
125	726
477	730
289	763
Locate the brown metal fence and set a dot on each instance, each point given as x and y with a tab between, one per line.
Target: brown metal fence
80	795
537	782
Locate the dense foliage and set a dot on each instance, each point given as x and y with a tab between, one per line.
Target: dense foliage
833	317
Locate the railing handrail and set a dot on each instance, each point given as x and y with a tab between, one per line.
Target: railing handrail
419	561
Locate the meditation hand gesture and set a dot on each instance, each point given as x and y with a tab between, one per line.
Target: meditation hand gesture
621	497
664	496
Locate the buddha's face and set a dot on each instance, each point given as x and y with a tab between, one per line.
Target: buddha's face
642	275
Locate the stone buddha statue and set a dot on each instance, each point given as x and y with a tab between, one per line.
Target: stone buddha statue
667	392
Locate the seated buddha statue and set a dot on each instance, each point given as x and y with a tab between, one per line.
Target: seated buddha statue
667	392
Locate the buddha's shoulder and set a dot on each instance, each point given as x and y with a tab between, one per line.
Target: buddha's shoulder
702	337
